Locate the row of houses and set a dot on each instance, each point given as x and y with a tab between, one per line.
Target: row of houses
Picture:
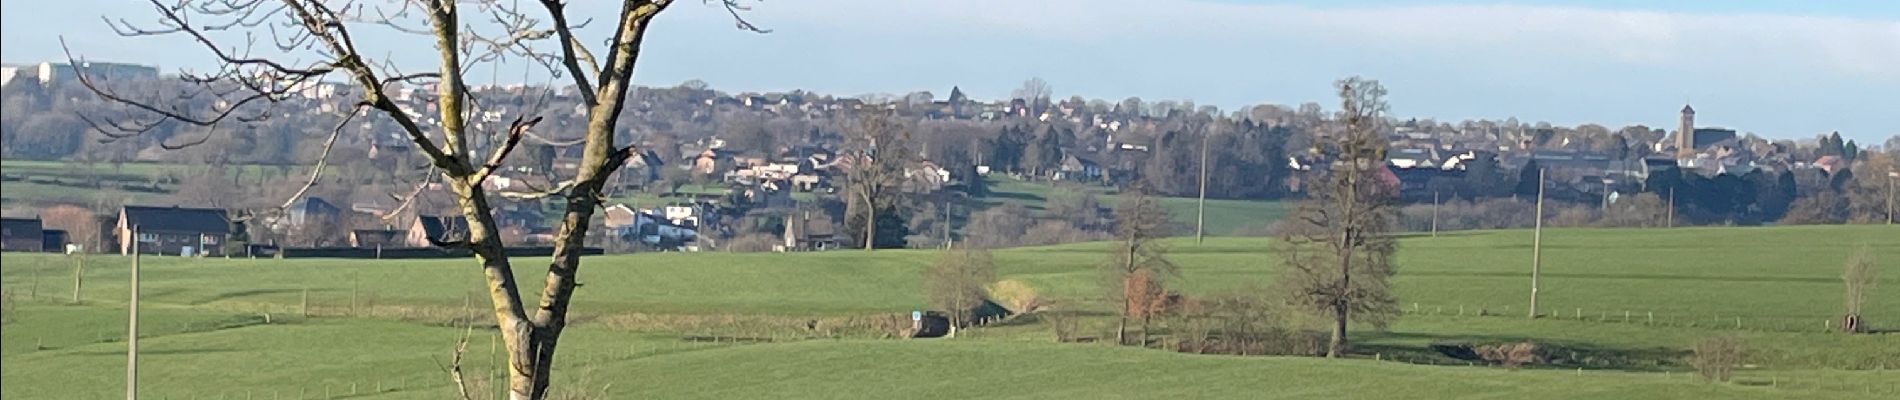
204	232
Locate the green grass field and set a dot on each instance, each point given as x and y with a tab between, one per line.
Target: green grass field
1224	216
74	179
205	333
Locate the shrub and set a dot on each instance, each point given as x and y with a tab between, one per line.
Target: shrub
1058	232
1822	207
1511	355
1237	325
1017	295
1498	213
1570	215
996	227
953	283
1641	210
1064	325
754	242
1715	358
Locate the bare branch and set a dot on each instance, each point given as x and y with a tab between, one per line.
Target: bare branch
404	202
323	158
733	7
515	131
559	189
571	57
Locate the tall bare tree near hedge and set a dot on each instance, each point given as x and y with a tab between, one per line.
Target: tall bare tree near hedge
876	170
1338	248
311	40
1137	262
957	282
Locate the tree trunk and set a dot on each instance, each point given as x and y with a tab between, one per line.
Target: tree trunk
1336	347
517	333
1121	328
1144	327
1128	270
870	225
551	316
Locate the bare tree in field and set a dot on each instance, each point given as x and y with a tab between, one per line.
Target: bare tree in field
876	170
1860	276
1338	248
956	282
304	42
1137	264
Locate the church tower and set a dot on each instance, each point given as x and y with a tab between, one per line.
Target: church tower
1685	135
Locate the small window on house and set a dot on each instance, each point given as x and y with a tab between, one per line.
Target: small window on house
148	237
210	239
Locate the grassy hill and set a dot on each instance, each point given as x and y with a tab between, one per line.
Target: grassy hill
1224	216
207	336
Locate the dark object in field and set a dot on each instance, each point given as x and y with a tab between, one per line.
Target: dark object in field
1510	355
1461	351
932	324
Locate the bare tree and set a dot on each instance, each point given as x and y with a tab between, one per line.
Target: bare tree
876	169
1034	90
81	224
1338	246
1715	358
1859	278
310	40
1138	262
956	282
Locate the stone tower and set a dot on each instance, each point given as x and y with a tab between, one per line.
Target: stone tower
1685	135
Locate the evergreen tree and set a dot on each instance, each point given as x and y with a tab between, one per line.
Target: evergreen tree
1527	179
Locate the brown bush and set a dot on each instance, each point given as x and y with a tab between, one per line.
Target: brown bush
1065	326
996	227
754	242
1018	296
1570	215
1499	213
1058	232
81	225
1511	355
1715	358
1641	210
1821	207
1236	325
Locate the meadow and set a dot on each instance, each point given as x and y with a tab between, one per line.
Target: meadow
235	328
1224	216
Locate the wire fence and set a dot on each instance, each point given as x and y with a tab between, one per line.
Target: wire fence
1642	317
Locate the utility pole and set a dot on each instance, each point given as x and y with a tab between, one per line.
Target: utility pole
132	327
1890	178
1537	243
1200	219
1606	195
79	273
1434	214
947	244
1672	208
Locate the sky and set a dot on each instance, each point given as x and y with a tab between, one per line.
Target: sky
1780	69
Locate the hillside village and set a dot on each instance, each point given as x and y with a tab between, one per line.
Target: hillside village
343	200
769	168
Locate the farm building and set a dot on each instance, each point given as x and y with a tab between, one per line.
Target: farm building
21	234
173	230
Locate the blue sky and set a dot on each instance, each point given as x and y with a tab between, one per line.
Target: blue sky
1783	69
